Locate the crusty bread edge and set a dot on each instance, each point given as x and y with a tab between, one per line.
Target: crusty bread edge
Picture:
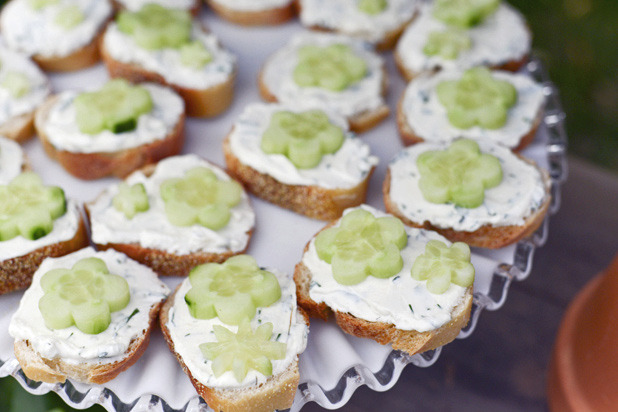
162	262
276	393
359	123
19	128
487	236
57	370
312	201
268	17
409	341
209	102
409	137
16	273
120	163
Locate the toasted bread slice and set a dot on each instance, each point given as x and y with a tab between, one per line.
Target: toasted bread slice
16	273
163	262
492	236
410	341
84	57
277	393
361	119
260	17
117	163
80	356
19	128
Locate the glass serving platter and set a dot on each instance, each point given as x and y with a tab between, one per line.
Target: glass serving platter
156	382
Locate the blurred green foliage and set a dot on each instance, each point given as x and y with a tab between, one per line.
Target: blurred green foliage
578	42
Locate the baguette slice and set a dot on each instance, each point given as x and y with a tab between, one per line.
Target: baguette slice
84	57
265	17
19	128
410	341
161	261
487	236
276	393
118	163
149	294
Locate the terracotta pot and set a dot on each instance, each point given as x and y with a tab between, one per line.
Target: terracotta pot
583	371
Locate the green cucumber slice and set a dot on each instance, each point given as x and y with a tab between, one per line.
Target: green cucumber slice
131	200
195	55
40	4
372	7
214	216
464	13
16	83
69	17
447	44
92	317
154	27
442	265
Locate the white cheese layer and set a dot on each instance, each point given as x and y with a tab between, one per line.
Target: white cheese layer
365	95
135	5
151	229
188	333
345	168
63	132
344	16
38	91
252	5
501	37
399	300
11	160
34	32
520	193
65	228
74	346
167	63
428	117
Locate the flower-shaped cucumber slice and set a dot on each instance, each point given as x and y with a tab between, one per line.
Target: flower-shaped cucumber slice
84	296
460	174
477	99
333	67
40	4
154	27
447	43
131	200
243	351
16	83
442	265
464	13
362	245
69	17
302	137
115	107
195	55
372	7
232	290
200	198
28	209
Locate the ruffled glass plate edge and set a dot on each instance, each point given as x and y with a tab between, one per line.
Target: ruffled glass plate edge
503	275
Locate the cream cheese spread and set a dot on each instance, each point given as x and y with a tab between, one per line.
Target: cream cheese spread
73	345
38	87
365	95
135	5
343	169
188	333
502	37
167	62
521	192
344	16
11	160
428	117
151	229
252	5
34	32
63	132
65	228
399	300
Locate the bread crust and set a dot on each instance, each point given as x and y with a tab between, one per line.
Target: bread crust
409	137
359	123
409	341
16	273
269	17
57	370
120	163
209	102
19	128
487	236
162	262
313	201
276	393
